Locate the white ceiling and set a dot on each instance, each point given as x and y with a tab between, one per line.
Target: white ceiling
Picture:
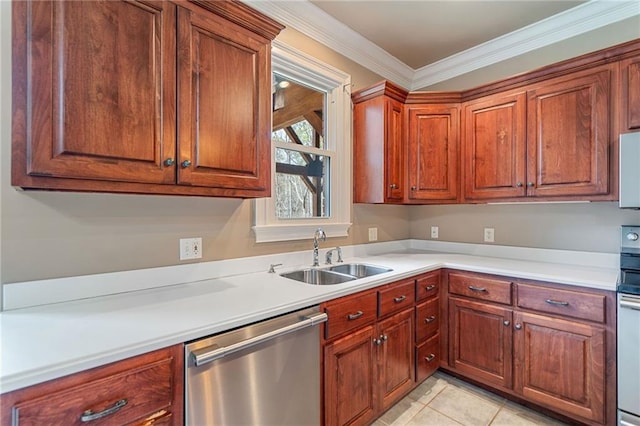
418	43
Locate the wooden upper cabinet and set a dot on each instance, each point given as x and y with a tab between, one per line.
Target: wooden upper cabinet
378	147
630	96
432	152
494	147
142	97
568	135
95	99
224	86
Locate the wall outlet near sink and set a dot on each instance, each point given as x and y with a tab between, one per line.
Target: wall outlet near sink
434	232
489	235
373	234
190	248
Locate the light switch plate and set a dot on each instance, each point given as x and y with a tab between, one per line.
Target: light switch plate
489	235
434	232
373	234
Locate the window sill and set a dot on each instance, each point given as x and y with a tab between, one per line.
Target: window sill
290	232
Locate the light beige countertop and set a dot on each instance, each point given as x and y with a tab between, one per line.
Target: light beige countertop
46	334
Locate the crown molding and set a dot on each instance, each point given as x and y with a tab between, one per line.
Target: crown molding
312	21
578	20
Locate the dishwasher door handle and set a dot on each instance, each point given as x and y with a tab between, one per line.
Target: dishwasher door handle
212	353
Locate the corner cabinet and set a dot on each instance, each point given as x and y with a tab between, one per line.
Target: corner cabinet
142	97
143	390
630	95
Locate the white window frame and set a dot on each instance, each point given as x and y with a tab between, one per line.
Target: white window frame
309	71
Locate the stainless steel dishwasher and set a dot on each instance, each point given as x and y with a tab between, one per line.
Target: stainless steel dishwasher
267	373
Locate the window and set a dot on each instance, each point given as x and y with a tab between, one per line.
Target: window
311	150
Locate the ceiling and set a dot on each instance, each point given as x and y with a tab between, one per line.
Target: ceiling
418	43
419	33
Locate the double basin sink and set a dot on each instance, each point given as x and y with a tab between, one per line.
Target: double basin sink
336	274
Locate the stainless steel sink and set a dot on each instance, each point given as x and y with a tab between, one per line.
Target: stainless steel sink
335	274
359	270
318	276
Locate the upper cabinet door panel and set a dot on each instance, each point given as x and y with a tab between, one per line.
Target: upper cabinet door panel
568	136
433	152
630	94
101	90
395	156
224	87
494	147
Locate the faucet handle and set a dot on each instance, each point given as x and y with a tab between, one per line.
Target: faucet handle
339	250
327	259
272	267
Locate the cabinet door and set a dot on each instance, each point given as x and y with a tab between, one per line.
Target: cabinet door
95	97
395	357
349	372
630	112
494	147
560	364
378	155
568	135
433	153
224	102
480	341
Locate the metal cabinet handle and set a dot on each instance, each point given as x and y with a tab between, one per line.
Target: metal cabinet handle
430	287
518	326
89	415
530	184
169	162
384	337
413	188
432	318
393	186
185	164
506	322
377	342
557	302
519	184
480	289
399	299
357	315
430	357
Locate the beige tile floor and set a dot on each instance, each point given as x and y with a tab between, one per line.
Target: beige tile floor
443	400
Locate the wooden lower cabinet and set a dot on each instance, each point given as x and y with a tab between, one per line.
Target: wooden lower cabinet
560	364
480	339
350	373
147	389
553	346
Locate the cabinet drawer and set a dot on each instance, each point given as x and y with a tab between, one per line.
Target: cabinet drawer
427	319
575	304
427	358
350	313
427	285
480	287
135	394
395	297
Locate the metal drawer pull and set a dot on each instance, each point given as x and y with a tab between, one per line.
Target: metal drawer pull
384	337
89	415
377	342
357	315
430	357
518	326
430	287
400	298
430	319
473	288
556	302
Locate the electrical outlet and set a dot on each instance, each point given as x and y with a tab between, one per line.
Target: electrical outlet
190	248
434	232
489	235
373	234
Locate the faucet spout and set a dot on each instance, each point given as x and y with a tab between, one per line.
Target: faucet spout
318	235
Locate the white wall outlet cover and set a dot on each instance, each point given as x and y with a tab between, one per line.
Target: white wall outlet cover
434	232
190	248
373	234
489	235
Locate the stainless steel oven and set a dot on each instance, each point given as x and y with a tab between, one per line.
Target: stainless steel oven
629	328
267	373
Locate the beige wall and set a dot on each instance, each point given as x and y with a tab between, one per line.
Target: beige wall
51	234
571	226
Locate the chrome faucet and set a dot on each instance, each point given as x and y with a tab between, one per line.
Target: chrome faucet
327	259
319	235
